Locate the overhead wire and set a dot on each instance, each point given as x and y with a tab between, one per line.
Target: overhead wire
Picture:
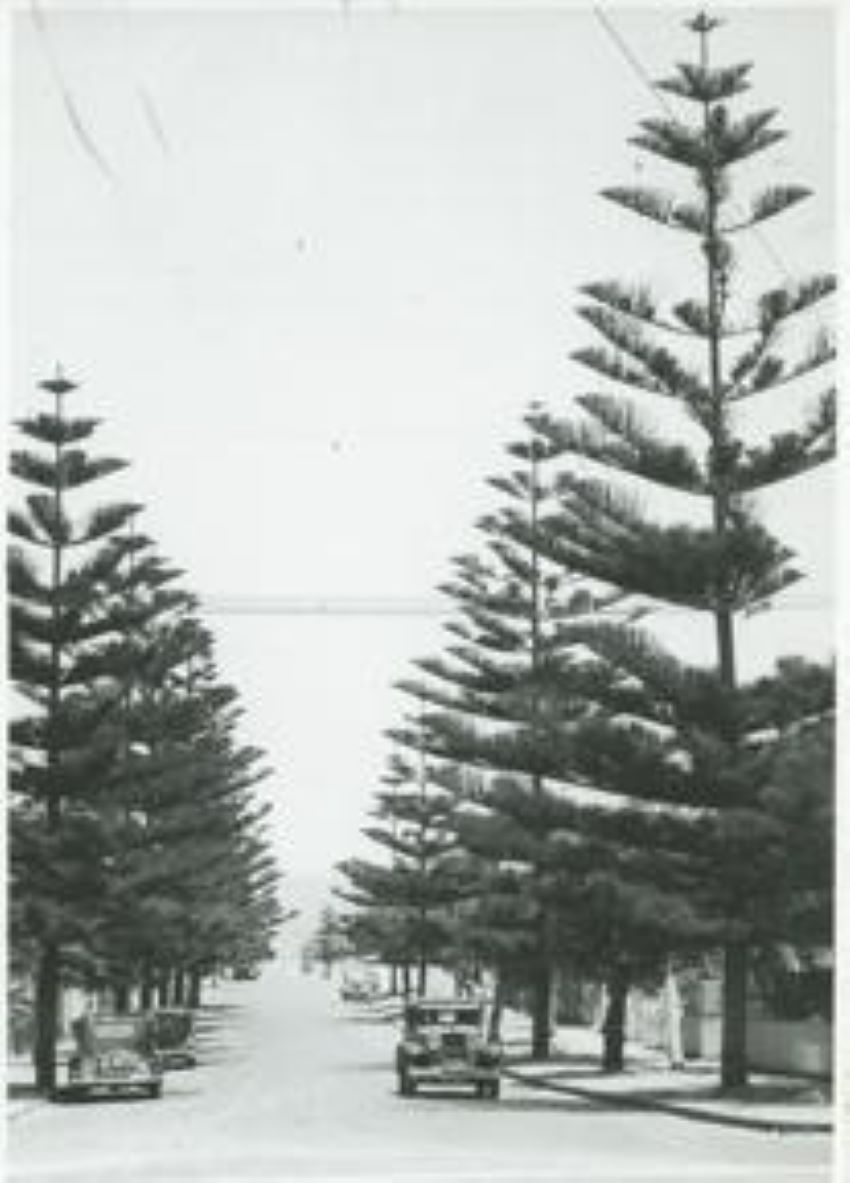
73	113
633	60
418	606
153	119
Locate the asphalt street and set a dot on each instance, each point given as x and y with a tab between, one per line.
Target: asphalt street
294	1084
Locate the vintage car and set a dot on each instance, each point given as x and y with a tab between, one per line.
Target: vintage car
359	987
246	972
446	1042
174	1037
113	1054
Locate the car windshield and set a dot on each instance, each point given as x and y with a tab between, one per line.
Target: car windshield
172	1027
445	1017
122	1033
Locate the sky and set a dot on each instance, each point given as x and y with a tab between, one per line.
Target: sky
311	265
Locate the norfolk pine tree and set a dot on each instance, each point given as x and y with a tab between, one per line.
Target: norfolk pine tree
96	636
421	845
59	648
174	803
138	595
733	564
378	928
502	675
199	874
424	879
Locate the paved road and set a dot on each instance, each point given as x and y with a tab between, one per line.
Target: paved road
292	1087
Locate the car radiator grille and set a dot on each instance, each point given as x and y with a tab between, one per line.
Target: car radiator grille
454	1044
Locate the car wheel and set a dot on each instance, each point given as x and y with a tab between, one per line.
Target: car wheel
406	1086
495	1089
155	1090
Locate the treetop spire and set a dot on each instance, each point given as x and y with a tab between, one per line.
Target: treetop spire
59	384
702	23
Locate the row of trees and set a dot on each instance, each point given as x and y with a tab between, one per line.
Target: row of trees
138	851
572	792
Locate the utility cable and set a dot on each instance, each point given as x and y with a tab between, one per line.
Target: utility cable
632	59
81	132
424	606
153	119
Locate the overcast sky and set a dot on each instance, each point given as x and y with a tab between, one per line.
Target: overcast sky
310	267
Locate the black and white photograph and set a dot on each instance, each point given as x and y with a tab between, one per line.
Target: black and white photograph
422	613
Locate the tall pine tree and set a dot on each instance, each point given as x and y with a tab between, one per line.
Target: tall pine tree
138	850
60	633
411	895
732	564
497	702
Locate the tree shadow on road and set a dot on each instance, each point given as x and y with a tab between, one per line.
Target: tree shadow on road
506	1106
555	1065
103	1098
367	1020
538	1104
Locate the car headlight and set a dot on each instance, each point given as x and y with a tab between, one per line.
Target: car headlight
418	1052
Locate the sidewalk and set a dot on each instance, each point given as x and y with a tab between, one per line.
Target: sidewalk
778	1103
20	1087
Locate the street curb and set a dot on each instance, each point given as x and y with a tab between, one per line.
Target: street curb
689	1112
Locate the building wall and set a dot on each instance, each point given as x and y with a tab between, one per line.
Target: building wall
803	1046
782	1045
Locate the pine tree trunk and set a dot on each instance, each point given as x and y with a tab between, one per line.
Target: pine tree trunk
163	988
405	980
541	1005
422	977
121	998
178	994
734	1051
614	1027
541	1013
494	1031
673	1014
47	982
195	983
147	991
733	1056
46	1019
393	979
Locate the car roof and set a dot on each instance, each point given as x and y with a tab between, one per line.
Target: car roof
446	1003
120	1025
116	1020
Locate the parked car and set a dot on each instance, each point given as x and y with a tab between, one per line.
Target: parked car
113	1054
359	987
446	1041
174	1037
